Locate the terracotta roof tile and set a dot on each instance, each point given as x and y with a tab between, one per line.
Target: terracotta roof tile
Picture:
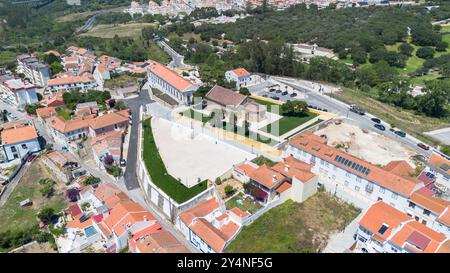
19	134
170	76
225	97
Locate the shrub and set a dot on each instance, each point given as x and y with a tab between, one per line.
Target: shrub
73	194
228	190
114	171
47	189
92	180
218	181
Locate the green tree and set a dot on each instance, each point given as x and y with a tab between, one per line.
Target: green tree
244	91
295	108
406	49
46	215
425	52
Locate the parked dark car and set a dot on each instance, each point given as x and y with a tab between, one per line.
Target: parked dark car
276	98
123	163
400	133
278	91
284	93
272	89
423	146
376	120
380	127
265	95
293	95
325	110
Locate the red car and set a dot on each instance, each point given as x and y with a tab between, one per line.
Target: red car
423	146
31	158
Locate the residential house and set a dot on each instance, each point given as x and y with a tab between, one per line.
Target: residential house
19	142
240	76
53	100
65	131
168	81
45	113
114	121
288	179
208	227
439	165
35	71
233	103
108	144
384	229
86	109
18	92
154	239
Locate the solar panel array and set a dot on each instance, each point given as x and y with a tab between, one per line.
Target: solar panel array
355	166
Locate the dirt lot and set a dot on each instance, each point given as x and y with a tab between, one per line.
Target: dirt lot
369	146
295	228
237	186
36	248
15	217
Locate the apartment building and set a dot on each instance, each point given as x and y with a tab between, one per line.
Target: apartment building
35	71
439	165
66	83
18	92
340	172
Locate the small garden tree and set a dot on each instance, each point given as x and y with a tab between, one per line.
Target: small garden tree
92	180
73	194
228	190
244	91
295	108
46	215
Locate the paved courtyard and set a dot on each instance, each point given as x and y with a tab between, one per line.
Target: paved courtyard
190	157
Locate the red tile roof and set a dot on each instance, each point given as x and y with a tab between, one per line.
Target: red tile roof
170	76
225	97
241	72
200	210
316	145
18	134
424	198
267	177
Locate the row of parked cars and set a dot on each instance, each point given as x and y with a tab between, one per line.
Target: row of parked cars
400	133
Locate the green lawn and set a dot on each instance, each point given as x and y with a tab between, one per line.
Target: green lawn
64	113
157	170
288	123
295	228
15	217
260	160
247	204
7	57
196	115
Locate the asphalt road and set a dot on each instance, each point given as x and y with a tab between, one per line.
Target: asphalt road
313	97
133	104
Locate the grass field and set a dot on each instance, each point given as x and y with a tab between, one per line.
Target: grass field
120	81
196	115
75	16
63	113
404	119
246	205
7	57
157	170
15	217
288	123
122	30
295	228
